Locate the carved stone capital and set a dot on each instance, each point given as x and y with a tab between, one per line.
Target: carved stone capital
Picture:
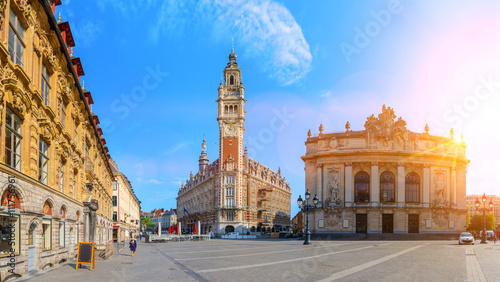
374	163
348	164
319	165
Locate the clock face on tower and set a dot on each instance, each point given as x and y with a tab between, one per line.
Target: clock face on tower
230	129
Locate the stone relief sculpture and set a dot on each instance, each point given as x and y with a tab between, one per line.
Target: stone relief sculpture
384	132
440	189
333	187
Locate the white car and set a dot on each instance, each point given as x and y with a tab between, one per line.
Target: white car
466	238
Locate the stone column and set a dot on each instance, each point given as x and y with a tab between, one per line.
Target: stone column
426	189
453	197
348	184
319	184
374	186
86	219
90	219
401	184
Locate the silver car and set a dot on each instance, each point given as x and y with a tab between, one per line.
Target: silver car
466	238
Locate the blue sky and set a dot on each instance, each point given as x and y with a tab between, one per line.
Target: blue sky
153	68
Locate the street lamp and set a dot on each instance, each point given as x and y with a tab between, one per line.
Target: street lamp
304	206
490	204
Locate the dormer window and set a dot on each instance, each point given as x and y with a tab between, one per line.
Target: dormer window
231	80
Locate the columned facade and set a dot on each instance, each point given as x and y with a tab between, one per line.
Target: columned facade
386	179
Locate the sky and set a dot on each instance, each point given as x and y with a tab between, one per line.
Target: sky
153	68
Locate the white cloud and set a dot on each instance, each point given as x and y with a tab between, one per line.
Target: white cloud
326	94
266	30
175	148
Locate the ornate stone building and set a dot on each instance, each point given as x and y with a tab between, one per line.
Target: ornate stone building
126	207
51	148
386	179
235	192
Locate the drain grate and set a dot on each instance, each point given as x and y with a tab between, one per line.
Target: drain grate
171	269
127	262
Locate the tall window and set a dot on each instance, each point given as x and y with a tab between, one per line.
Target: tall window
230	216
13	139
114	201
115	216
45	85
61	234
115	185
412	188
230	179
229	191
230	203
46	234
231	80
16	39
362	187
75	134
7	219
61	178
43	162
63	113
387	187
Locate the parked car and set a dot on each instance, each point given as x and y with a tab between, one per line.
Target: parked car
465	238
490	234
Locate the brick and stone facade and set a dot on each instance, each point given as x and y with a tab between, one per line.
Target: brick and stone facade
235	192
386	179
51	148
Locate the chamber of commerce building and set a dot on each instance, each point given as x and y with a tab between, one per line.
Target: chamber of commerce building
234	193
52	151
386	179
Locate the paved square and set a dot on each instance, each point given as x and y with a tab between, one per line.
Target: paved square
281	260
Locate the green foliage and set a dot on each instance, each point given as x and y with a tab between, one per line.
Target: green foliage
146	222
467	220
476	222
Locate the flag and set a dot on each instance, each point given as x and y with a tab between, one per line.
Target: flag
185	211
195	231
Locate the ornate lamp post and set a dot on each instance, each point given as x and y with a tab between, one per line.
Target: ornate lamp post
304	206
483	236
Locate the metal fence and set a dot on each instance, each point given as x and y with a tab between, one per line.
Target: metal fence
177	238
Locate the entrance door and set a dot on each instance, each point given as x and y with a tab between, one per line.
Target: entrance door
229	229
361	223
387	223
31	248
413	223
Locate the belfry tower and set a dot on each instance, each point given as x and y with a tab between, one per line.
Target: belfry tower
231	118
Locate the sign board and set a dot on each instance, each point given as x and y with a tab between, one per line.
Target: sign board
85	254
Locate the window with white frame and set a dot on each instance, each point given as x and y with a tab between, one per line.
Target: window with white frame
43	162
115	185
229	179
229	191
230	202
13	139
45	85
16	39
46	234
61	234
230	216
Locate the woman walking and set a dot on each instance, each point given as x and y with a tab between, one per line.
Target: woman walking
133	245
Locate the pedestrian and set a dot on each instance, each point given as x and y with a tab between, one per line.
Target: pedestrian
133	245
495	239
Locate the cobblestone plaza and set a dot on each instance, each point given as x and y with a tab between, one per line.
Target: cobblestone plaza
272	260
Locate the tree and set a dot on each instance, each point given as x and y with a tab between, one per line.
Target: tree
146	222
476	222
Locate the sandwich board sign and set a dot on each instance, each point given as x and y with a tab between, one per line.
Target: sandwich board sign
85	254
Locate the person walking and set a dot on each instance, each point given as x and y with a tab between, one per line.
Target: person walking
133	245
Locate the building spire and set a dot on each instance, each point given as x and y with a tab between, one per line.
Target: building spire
59	19
232	44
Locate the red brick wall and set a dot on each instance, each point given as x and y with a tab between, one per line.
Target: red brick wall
230	146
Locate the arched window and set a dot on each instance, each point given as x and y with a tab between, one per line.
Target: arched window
412	188
231	80
362	187
235	109
231	109
225	109
387	187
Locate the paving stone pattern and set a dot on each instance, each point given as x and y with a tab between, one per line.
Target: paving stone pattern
282	260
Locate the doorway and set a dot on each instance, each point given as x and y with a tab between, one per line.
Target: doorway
413	226
361	223
387	223
31	248
229	229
